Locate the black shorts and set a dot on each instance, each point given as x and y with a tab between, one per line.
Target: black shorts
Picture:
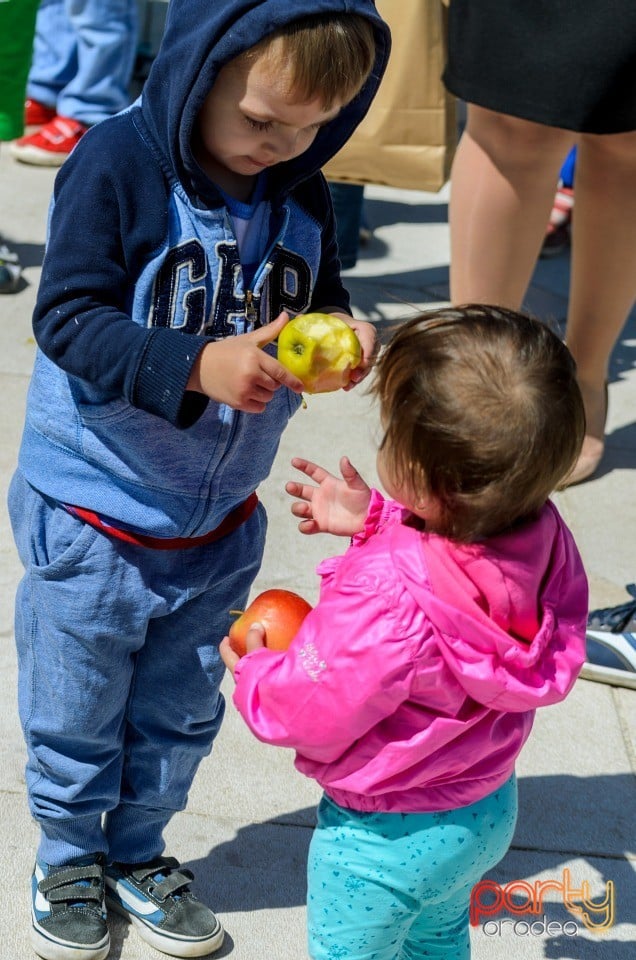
565	63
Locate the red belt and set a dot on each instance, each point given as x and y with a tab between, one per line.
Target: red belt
233	520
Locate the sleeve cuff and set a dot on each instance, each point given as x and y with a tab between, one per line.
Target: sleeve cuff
377	514
162	376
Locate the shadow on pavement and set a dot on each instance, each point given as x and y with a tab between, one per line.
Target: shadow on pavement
262	867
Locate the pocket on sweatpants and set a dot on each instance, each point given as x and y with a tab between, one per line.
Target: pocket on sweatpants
48	537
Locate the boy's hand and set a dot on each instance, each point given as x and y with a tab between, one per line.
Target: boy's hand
366	334
334	506
254	640
239	373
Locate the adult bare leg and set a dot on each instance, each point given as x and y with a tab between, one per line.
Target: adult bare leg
503	183
603	279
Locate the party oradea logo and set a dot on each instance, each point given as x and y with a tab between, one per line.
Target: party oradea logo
525	901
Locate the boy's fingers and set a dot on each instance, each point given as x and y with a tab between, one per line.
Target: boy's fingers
270	365
280	374
265	335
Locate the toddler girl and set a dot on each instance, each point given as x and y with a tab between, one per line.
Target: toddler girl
459	608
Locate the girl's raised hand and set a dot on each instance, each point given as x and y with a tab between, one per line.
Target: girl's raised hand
333	505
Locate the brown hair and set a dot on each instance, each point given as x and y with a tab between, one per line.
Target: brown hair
328	55
480	408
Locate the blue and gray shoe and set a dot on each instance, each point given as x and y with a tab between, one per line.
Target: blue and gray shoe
68	911
157	899
611	644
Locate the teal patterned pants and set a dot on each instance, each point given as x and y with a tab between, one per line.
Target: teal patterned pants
396	886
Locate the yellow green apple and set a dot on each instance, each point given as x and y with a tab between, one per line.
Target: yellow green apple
321	350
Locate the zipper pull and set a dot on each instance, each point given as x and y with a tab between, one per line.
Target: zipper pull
250	312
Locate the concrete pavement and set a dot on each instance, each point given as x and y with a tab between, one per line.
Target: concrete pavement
248	823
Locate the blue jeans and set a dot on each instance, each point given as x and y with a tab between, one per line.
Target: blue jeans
83	57
118	673
396	886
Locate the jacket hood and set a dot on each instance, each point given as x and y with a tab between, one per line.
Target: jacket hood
493	607
200	37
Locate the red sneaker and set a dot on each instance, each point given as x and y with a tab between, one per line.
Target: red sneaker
36	114
51	145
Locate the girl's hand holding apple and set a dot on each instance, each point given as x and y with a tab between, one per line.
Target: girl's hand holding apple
254	640
271	620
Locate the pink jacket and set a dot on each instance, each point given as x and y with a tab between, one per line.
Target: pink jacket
413	683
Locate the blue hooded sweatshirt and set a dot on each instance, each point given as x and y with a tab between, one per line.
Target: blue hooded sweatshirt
142	270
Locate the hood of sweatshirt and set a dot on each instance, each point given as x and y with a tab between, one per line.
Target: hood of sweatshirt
200	38
509	614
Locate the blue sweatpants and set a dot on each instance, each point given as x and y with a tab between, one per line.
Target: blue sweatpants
396	886
118	674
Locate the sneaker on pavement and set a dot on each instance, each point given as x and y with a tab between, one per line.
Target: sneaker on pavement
156	898
36	115
611	645
557	240
557	236
51	144
10	269
68	911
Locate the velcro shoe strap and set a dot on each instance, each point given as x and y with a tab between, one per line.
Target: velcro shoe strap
619	619
77	893
70	875
68	885
175	882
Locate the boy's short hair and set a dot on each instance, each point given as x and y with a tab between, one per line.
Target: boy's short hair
481	408
327	55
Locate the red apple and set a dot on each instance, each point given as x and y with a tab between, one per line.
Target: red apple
280	611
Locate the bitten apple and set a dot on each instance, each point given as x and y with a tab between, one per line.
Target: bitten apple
321	350
280	611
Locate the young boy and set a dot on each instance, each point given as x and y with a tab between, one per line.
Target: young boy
180	231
